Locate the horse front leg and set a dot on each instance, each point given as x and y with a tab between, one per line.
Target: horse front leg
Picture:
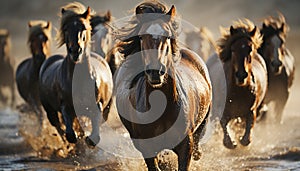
184	152
69	116
95	114
279	107
250	119
196	137
151	164
228	143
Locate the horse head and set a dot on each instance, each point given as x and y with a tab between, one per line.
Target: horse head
157	42
241	55
272	49
4	43
39	39
75	32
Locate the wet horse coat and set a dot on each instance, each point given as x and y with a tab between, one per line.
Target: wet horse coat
163	94
77	84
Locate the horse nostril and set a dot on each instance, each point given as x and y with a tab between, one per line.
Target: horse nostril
80	50
276	63
241	75
162	70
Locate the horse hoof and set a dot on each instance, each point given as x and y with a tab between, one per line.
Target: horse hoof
71	137
196	155
230	144
245	141
92	142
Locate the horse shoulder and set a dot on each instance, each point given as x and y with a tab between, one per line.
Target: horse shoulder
48	62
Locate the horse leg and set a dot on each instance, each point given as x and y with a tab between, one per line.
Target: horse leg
184	152
228	143
52	116
13	94
196	139
250	119
151	163
94	138
106	110
69	117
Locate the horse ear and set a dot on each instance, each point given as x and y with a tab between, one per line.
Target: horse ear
29	24
87	13
282	28
172	12
252	33
108	16
264	25
48	25
232	30
63	10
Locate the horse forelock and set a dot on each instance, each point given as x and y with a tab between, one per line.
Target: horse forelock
244	27
73	12
128	36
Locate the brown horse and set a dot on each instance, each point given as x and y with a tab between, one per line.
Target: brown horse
202	42
246	77
163	92
280	63
27	74
77	84
6	67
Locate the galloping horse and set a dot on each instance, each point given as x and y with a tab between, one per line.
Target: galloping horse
77	84
160	86
102	40
280	63
201	42
246	77
6	67
27	74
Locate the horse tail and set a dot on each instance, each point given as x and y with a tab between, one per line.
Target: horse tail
49	62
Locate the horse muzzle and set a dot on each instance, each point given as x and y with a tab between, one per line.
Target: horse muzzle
241	78
276	67
155	78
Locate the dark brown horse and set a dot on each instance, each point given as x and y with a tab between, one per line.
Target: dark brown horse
27	75
163	92
280	63
6	67
77	84
246	77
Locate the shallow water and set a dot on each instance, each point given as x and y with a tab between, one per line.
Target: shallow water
273	147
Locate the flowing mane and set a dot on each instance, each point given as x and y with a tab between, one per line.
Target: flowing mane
272	26
244	28
72	12
129	35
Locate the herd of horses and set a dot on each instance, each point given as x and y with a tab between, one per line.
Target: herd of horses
237	77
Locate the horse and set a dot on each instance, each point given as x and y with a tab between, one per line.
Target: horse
202	42
280	63
6	67
102	40
245	77
27	74
78	84
159	86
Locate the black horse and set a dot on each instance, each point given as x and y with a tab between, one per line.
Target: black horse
27	75
77	84
280	63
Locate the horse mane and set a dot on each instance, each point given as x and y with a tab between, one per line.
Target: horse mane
100	18
71	11
128	35
244	28
37	27
274	25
